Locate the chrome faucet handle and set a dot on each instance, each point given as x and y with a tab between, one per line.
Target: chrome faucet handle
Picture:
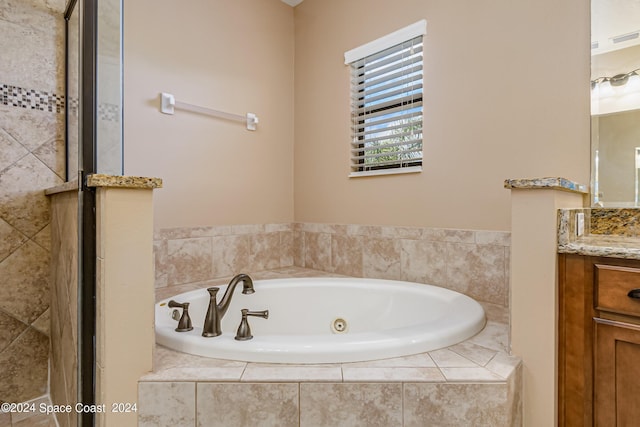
184	324
244	330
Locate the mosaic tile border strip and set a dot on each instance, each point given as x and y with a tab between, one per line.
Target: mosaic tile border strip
32	99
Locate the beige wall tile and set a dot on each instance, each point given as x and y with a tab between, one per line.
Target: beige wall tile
423	261
10	150
501	238
474	352
298	247
477	271
264	251
230	255
366	405
160	256
189	260
42	323
30	161
515	392
10	239
381	258
22	200
25	285
504	365
455	405
63	310
241	405
465	375
10	329
24	363
286	249
52	153
422	360
446	358
443	257
248	229
34	55
494	336
43	237
31	128
347	255
255	372
317	251
449	235
392	374
166	404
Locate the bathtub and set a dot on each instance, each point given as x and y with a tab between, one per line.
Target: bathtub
326	320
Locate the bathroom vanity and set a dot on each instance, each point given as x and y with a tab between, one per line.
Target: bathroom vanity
598	324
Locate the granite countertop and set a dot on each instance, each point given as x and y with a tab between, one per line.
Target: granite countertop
609	232
603	245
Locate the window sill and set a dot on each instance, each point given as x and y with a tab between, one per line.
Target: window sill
412	169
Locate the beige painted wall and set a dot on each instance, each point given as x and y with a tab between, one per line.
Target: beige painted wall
234	56
498	105
506	95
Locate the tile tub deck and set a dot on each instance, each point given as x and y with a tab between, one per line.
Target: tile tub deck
475	382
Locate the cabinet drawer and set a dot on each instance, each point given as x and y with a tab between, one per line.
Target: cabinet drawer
613	284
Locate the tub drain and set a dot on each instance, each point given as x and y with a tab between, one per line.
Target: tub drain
339	326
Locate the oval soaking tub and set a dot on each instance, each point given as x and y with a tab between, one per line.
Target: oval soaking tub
327	320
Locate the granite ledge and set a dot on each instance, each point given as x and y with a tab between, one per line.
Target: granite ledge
62	188
604	246
553	183
117	181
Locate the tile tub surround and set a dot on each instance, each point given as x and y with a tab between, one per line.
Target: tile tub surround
196	255
471	383
469	261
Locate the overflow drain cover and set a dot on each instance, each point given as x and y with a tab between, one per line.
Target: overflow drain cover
339	326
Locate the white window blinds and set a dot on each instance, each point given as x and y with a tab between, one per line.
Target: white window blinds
386	108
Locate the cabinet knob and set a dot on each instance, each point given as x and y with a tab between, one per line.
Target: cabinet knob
634	293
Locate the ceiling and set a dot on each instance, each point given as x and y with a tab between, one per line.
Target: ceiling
612	19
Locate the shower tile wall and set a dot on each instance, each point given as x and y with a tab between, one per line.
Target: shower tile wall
64	311
31	159
473	262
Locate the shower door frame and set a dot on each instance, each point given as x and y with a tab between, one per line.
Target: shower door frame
86	371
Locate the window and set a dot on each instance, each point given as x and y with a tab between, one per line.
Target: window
386	103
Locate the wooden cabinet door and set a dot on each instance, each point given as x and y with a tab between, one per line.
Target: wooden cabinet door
616	374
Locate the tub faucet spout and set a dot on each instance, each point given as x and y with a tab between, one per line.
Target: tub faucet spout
215	311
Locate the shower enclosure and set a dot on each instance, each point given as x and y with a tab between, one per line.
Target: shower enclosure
93	144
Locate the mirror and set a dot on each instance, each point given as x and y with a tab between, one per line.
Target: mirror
615	102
